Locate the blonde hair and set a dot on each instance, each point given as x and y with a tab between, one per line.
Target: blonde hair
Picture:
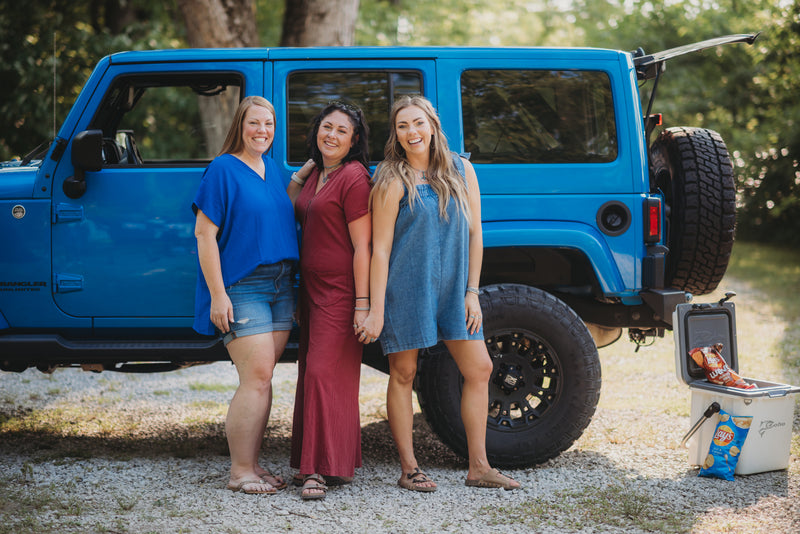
233	141
442	174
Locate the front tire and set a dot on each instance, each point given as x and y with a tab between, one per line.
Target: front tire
545	384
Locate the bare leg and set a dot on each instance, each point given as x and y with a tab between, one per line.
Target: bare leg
279	338
254	357
475	366
402	369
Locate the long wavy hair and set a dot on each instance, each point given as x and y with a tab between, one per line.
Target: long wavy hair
233	141
442	174
359	151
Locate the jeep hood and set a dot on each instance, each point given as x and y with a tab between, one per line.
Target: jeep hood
17	181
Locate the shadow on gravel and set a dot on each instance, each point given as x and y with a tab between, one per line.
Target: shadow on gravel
377	446
207	439
174	441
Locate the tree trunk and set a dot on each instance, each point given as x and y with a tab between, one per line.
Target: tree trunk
319	23
219	24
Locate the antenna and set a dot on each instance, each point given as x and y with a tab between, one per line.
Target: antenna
54	84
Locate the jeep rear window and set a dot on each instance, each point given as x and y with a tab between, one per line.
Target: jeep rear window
373	91
538	116
172	118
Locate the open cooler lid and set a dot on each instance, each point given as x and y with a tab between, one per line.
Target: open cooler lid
702	325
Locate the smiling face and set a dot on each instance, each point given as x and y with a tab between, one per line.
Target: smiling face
258	130
335	137
413	131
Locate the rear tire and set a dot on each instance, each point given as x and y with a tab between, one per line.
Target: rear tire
692	169
544	388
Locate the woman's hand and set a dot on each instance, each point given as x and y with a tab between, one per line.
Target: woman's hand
473	315
222	312
305	171
370	328
359	317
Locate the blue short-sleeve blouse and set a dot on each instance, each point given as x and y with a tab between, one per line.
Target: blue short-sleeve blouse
255	220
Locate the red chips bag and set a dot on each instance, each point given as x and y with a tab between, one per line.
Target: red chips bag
717	370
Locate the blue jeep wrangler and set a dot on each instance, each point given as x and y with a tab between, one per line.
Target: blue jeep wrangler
588	227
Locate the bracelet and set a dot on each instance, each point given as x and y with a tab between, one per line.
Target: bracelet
362	298
362	308
474	290
296	179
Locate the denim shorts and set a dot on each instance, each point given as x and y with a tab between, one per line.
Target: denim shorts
263	301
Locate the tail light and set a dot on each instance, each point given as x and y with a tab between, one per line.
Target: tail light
652	220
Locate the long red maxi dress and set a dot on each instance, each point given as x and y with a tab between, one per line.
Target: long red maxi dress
326	431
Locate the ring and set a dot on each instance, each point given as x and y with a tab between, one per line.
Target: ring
355	326
472	316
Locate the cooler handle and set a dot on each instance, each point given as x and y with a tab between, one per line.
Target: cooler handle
713	408
774	394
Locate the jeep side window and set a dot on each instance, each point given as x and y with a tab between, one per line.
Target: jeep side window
177	119
373	91
538	116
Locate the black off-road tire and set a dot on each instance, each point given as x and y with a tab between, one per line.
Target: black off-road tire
545	384
692	168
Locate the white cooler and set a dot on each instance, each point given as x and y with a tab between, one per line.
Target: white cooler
771	404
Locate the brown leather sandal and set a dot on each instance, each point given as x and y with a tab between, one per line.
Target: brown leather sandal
313	482
494	479
413	481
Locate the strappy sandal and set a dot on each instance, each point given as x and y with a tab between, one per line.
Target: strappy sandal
313	482
493	479
330	480
413	481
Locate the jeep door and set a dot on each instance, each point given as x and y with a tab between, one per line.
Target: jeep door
125	248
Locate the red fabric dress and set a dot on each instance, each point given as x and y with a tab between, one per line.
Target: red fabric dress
326	431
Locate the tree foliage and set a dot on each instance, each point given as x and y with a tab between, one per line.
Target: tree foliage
48	48
746	93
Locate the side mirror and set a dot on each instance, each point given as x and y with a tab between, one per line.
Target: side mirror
87	155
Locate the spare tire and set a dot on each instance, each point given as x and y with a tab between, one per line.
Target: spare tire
692	169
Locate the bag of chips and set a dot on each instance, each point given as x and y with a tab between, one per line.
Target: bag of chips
723	453
717	370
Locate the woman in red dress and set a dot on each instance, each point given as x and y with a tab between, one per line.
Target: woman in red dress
331	195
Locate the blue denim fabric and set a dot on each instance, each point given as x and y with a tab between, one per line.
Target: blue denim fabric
263	301
428	271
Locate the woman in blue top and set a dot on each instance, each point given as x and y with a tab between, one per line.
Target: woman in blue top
427	251
246	247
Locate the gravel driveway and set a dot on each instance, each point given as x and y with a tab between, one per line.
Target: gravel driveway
85	452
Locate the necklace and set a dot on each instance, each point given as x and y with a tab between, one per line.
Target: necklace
329	169
423	175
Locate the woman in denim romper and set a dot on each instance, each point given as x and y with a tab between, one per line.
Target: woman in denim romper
424	275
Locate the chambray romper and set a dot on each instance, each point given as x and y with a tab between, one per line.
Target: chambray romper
428	271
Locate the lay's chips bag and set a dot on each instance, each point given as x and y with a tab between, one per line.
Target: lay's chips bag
723	453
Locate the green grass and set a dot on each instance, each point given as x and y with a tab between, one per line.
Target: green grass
218	388
620	506
772	270
773	274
